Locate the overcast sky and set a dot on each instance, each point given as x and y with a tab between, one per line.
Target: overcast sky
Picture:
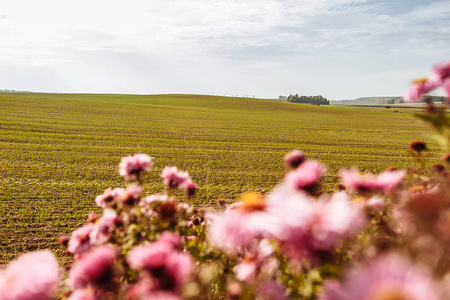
340	49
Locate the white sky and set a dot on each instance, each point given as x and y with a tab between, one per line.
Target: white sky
341	49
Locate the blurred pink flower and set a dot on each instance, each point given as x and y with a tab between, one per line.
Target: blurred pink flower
109	197
242	226
189	186
385	182
33	276
103	227
442	72
388	277
130	196
446	87
328	221
306	175
79	240
131	167
390	180
174	178
334	219
419	88
167	266
311	226
95	268
171	238
293	159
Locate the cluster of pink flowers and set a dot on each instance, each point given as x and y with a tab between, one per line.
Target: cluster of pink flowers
440	78
97	232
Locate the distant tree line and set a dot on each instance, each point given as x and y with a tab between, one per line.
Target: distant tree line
317	100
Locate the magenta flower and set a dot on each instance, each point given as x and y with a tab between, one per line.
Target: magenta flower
174	178
293	159
95	268
306	175
388	277
131	167
33	276
79	240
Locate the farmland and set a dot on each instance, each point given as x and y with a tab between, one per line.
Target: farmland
58	151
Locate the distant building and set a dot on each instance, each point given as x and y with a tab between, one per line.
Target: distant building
282	97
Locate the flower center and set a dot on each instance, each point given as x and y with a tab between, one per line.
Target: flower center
389	293
252	201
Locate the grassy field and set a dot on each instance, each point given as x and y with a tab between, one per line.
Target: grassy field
58	151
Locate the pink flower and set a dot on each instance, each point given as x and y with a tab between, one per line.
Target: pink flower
103	227
446	86
130	196
293	159
109	197
167	266
386	181
131	167
244	225
306	175
390	180
171	238
388	277
190	187
33	276
79	240
334	219
95	268
419	88
174	178
311	226
442	72
329	221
